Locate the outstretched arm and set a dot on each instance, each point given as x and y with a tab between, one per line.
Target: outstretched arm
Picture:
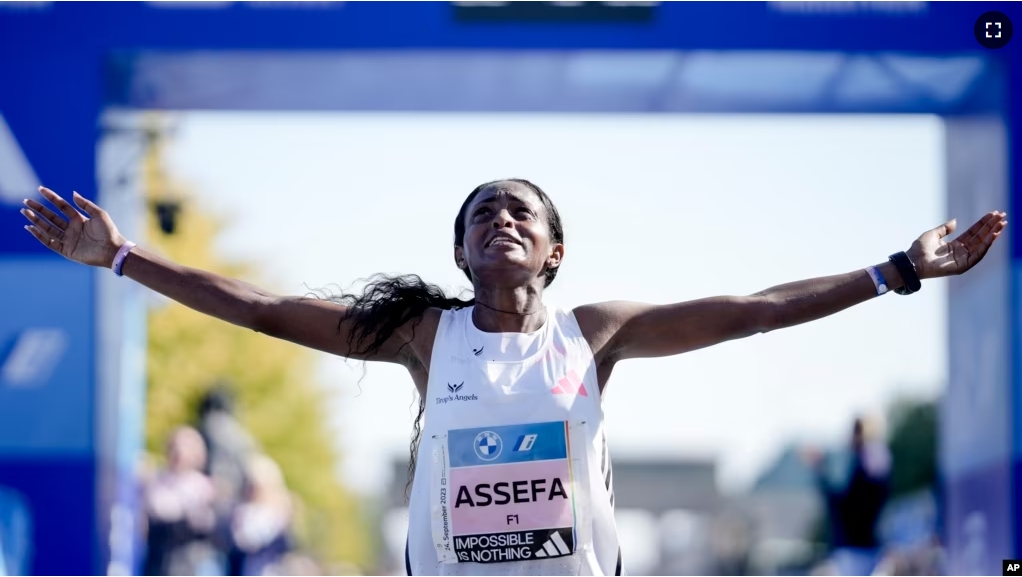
622	330
94	240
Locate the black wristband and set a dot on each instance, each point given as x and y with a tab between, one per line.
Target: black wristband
908	273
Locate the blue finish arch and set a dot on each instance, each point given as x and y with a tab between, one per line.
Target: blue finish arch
64	65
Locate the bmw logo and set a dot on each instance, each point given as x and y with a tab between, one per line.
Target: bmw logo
488	445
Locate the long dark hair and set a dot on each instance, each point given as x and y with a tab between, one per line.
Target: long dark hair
389	302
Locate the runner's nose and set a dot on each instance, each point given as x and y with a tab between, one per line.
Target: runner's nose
502	220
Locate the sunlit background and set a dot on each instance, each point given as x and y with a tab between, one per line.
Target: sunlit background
657	209
305	146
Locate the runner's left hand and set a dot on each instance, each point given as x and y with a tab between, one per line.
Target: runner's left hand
935	257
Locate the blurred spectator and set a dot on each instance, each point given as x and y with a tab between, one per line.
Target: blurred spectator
261	524
230	447
228	443
926	558
854	503
178	503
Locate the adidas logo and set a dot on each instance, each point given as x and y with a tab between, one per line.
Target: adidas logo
554	547
570	385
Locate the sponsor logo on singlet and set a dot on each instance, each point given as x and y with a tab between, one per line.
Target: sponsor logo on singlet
488	445
571	384
512	493
455	390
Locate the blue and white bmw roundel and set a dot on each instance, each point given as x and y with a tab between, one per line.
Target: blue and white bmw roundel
488	445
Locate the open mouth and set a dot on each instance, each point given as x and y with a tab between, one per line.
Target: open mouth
503	241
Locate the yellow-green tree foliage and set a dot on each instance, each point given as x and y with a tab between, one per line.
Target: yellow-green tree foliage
277	397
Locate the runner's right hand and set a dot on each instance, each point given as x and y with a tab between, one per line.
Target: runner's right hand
92	239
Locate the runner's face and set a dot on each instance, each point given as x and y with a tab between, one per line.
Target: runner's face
507	239
186	451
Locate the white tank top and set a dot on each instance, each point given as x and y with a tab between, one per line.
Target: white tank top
513	474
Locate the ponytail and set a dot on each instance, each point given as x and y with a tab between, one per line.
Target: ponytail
386	304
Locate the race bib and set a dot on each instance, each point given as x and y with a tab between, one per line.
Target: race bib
508	493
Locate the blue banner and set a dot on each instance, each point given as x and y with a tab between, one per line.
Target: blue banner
508	444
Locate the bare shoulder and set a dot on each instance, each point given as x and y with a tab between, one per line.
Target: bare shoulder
600	323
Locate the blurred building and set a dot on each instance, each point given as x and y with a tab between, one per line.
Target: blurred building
785	507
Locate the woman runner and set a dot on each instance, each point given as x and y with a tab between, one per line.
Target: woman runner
513	474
